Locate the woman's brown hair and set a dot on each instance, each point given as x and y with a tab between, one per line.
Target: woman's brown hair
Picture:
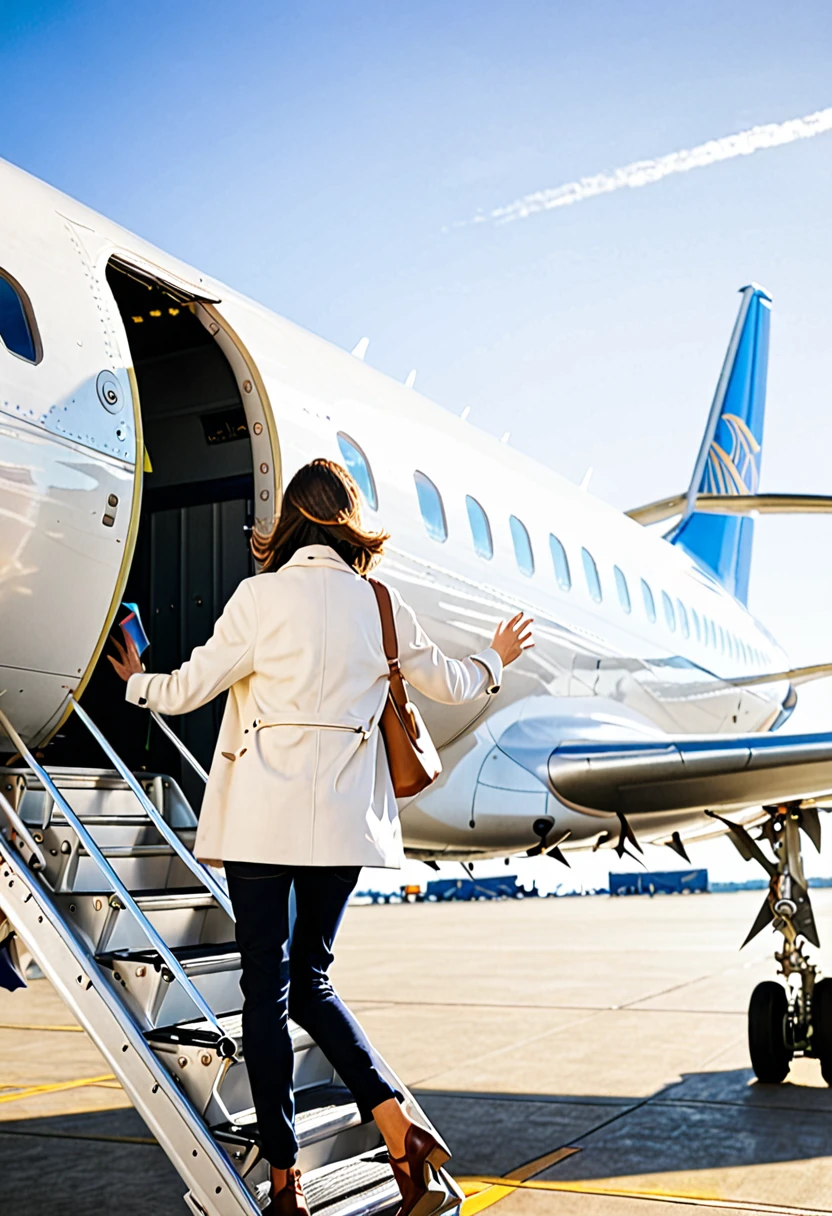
321	506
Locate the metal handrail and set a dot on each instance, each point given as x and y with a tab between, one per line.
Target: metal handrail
179	745
200	872
22	831
226	1045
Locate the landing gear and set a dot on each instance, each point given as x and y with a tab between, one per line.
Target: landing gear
768	1032
822	1027
794	1019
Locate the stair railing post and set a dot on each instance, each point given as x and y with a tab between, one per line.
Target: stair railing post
179	745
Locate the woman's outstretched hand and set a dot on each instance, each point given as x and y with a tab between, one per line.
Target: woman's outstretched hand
128	663
512	637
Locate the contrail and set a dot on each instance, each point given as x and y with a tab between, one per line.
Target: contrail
644	172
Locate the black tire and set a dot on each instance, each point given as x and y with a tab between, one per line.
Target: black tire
822	1027
771	1053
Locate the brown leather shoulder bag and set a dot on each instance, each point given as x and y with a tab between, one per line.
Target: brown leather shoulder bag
414	761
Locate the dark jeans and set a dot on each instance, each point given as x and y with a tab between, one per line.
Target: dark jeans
280	981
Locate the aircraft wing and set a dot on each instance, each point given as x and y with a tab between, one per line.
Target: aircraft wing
794	675
660	774
733	504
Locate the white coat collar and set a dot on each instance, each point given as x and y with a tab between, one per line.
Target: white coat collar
318	555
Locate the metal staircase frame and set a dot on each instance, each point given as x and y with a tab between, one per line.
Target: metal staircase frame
215	1187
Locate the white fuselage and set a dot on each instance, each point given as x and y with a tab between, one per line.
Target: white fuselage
65	455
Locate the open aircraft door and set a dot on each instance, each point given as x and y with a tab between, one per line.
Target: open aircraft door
75	452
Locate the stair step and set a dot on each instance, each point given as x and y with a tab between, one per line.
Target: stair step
192	1040
174	901
214	969
197	1033
188	916
321	1112
195	960
131	850
360	1185
154	899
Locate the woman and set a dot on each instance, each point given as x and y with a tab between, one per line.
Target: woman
300	793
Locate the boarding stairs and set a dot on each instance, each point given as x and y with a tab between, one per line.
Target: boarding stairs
100	887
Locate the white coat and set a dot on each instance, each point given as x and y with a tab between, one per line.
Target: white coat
299	775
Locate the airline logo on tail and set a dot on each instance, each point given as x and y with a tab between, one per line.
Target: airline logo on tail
734	471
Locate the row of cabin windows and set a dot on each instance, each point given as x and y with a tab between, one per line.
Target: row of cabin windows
19	334
676	616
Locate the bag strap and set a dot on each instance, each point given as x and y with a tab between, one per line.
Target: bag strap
388	624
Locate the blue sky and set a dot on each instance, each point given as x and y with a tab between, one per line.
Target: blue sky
318	155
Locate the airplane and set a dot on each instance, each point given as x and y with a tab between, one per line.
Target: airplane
149	416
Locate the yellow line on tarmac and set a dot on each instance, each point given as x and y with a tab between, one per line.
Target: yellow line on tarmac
14	1129
485	1198
34	1091
23	1026
483	1192
524	1172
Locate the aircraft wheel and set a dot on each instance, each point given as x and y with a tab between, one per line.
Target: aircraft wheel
768	1043
822	1027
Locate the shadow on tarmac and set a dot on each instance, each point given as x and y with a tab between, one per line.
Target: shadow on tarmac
88	1164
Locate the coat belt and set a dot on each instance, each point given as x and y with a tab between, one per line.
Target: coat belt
309	721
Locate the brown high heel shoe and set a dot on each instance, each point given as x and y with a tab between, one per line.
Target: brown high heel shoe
421	1150
290	1199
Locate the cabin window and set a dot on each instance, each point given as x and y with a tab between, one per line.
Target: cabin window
593	582
696	629
432	508
522	546
669	614
18	331
683	618
480	528
729	638
721	639
359	468
649	602
712	633
622	589
561	563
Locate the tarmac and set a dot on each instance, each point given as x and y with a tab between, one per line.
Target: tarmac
581	1056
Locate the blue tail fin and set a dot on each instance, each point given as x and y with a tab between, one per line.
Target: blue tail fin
729	458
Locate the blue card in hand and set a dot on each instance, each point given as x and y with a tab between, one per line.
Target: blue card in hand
132	625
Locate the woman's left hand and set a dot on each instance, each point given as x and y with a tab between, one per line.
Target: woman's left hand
128	664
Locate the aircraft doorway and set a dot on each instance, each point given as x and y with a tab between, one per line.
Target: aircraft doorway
204	425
